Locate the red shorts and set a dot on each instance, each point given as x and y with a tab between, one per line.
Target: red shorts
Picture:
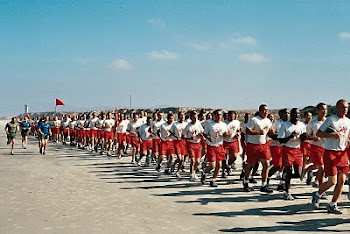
167	148
146	145
128	139
317	155
100	134
94	133
156	145
231	147
335	162
135	141
276	153
55	130
121	137
180	147
65	133
86	133
255	152
215	153
292	157
204	143
305	148
72	132
194	150
109	136
79	133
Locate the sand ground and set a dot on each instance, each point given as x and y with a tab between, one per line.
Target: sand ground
75	191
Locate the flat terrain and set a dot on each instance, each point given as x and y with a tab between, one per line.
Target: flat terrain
75	191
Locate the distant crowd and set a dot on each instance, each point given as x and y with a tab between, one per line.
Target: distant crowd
315	148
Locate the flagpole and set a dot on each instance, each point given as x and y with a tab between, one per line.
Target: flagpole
55	110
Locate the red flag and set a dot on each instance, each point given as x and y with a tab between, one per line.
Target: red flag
59	102
28	116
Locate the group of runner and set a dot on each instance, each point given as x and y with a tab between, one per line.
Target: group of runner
216	140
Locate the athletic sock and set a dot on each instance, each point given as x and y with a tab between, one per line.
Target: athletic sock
245	181
263	184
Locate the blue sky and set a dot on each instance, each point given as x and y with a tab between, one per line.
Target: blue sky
230	54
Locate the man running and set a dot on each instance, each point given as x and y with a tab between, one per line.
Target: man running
154	131
291	134
214	133
121	134
257	147
132	129
108	127
193	135
11	128
25	128
44	130
335	130
146	141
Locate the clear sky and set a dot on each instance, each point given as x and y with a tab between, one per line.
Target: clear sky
231	54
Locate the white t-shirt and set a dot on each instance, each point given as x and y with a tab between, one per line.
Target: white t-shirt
342	126
306	141
99	123
287	129
217	131
72	124
257	123
80	124
144	132
233	129
312	128
108	125
65	124
193	131
123	125
155	127
276	125
133	127
178	128
165	131
57	123
93	123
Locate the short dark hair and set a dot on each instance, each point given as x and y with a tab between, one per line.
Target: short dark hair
319	105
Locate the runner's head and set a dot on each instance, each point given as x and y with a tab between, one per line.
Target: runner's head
271	117
263	111
181	116
307	117
294	115
321	109
231	115
193	116
246	117
134	117
170	118
149	121
159	116
201	117
217	115
342	107
209	116
284	114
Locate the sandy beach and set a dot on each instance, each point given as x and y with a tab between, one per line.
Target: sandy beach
75	191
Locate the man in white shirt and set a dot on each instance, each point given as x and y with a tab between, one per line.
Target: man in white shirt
65	130
121	134
93	131
214	133
317	145
335	130
258	148
132	129
108	128
291	134
276	147
154	131
146	141
306	146
179	143
193	135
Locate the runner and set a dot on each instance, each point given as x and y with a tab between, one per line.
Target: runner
276	148
65	130
94	132
121	134
306	147
335	130
231	144
72	131
44	129
108	127
154	131
193	135
56	127
11	128
179	143
146	141
317	145
25	129
167	143
291	134
132	129
244	138
214	133
257	147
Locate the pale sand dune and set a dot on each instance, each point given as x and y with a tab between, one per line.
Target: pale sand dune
73	191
